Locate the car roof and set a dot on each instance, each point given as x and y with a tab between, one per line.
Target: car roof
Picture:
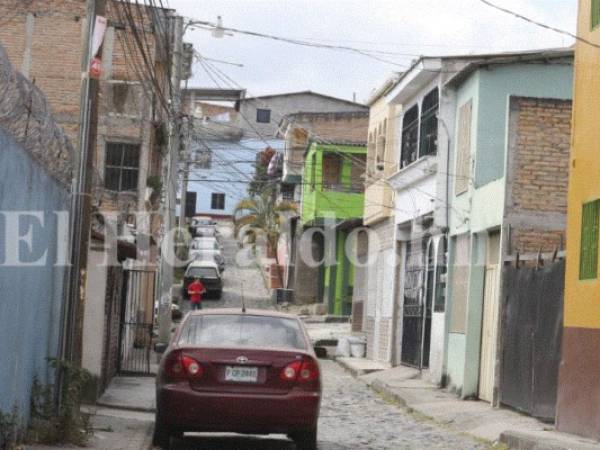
204	263
238	311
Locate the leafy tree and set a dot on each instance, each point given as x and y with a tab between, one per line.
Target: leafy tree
262	215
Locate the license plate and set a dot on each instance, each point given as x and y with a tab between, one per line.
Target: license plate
241	374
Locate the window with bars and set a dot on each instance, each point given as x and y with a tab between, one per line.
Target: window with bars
595	14
410	136
588	263
287	193
263	115
429	124
332	171
217	201
121	167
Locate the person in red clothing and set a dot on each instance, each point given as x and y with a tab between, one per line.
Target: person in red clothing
195	291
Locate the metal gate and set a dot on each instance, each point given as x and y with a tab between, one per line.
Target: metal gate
416	320
137	322
531	338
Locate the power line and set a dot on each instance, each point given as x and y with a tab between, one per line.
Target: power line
367	53
360	162
540	24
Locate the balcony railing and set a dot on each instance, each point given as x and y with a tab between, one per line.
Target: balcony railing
338	187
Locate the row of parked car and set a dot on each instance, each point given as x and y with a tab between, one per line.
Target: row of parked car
206	257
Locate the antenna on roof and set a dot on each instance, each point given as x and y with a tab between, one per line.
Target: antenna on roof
243	303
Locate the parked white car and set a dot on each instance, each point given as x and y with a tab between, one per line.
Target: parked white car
206	231
203	221
207	248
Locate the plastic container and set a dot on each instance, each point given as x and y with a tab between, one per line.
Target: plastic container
358	347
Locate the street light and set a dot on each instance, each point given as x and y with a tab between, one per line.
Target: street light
218	32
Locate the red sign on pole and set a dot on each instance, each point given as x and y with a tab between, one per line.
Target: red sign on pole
97	39
96	67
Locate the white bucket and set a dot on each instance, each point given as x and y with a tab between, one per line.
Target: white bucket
358	349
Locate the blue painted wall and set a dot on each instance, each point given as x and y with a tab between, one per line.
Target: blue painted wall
31	298
233	165
496	85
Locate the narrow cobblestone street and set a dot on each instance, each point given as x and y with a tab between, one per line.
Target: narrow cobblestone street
241	270
352	417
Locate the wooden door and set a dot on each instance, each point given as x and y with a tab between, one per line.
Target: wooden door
489	327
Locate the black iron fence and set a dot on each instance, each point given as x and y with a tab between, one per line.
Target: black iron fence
137	322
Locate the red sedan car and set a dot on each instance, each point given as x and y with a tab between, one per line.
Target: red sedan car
252	372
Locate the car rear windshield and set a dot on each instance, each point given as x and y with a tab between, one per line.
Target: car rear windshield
205	246
243	330
201	272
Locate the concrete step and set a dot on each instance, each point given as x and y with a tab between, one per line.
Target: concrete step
546	440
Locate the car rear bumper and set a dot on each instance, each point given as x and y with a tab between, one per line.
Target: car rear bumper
183	409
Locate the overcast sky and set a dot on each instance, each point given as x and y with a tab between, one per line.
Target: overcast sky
403	29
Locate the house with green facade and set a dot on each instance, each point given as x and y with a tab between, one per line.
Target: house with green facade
332	206
507	192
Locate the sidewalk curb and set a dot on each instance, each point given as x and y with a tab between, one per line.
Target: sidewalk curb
356	373
126	407
511	439
384	390
537	441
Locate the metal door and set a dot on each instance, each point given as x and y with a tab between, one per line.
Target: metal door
137	322
489	327
416	321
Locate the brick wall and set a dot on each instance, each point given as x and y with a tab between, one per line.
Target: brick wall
540	131
532	240
44	39
344	127
542	157
53	56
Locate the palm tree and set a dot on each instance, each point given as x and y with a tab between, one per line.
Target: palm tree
262	215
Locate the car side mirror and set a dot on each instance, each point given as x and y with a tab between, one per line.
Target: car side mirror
321	352
160	347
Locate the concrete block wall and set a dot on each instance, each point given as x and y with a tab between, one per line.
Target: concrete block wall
380	296
35	168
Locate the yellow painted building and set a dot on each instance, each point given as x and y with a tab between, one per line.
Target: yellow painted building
578	408
381	157
382	161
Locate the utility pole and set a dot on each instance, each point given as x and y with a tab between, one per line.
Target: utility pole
185	176
80	211
170	184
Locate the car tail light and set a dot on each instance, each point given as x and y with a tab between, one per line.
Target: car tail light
180	366
192	367
290	372
303	371
309	371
